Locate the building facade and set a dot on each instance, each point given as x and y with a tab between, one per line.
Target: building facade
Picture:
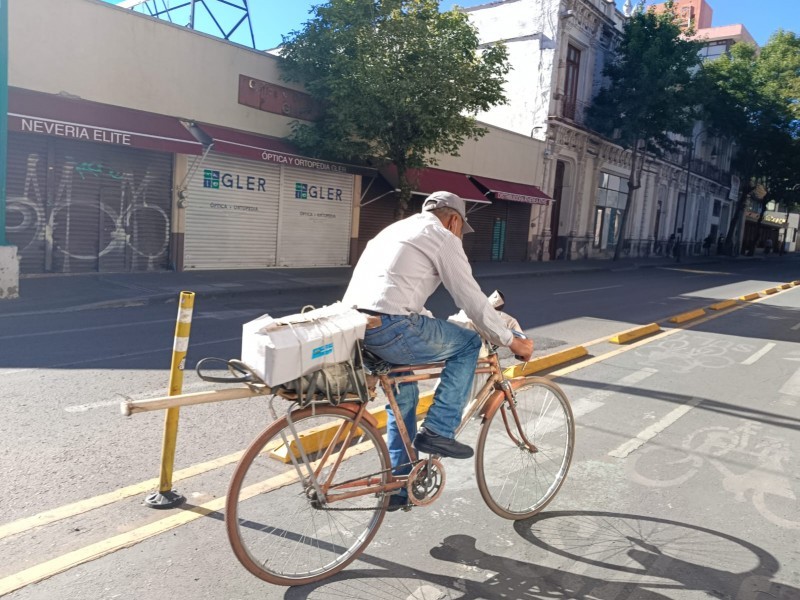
558	49
142	145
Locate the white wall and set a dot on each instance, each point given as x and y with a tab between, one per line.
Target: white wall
96	51
529	29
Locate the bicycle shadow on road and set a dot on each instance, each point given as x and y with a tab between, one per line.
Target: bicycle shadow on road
657	554
586	555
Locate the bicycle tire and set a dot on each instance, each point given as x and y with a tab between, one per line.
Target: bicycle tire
515	482
271	518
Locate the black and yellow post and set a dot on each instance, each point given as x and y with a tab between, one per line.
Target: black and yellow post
166	497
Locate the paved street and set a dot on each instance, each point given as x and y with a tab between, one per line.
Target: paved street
684	484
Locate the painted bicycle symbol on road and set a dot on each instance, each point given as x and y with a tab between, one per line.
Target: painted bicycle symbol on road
771	491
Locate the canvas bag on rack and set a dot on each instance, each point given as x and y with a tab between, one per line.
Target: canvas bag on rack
281	350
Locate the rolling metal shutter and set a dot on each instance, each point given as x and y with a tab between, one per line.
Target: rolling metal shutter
81	207
232	215
315	216
26	199
503	222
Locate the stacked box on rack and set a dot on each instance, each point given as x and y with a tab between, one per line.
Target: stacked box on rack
281	350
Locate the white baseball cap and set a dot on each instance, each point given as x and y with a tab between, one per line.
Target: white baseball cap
448	200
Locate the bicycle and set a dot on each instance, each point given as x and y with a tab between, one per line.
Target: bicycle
310	492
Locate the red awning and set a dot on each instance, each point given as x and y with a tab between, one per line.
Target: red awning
269	149
70	118
508	190
427	181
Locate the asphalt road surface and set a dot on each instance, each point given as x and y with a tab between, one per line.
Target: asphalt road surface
685	482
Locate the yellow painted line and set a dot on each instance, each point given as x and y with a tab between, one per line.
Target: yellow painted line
82	506
99	549
749	297
687	316
626	336
771	291
545	362
786	286
723	305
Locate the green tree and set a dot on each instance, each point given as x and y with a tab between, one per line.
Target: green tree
753	98
650	93
397	82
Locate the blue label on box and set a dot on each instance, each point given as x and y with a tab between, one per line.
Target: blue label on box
322	351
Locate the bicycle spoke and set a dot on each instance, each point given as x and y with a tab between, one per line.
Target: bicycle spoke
514	481
286	533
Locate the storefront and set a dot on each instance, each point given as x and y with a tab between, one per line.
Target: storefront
254	204
498	211
89	186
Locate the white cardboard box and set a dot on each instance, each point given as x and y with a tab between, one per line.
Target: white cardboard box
281	350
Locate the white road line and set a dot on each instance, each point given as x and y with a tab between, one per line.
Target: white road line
76	408
648	434
796	327
117	356
759	354
85	329
792	386
608	287
596	399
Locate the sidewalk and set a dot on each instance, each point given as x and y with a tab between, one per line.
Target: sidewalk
43	294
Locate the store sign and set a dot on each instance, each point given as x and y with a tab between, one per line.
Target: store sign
304	191
218	179
70	130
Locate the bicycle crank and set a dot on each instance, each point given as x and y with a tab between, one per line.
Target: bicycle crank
425	482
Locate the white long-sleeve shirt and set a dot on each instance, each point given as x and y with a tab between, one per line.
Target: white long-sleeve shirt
404	264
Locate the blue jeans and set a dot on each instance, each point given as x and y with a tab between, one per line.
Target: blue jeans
412	340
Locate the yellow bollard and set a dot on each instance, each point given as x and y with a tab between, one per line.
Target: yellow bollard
166	497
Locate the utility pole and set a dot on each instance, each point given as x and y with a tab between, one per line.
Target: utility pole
3	115
9	263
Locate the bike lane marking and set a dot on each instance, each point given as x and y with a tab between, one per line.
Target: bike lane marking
792	385
88	504
649	433
752	359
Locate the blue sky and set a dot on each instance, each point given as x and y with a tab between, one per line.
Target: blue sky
271	18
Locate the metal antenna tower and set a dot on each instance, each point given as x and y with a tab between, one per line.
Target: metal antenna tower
190	12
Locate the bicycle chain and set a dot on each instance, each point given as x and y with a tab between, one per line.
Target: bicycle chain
327	508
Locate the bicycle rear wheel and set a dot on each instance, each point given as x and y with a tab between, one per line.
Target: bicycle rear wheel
515	478
278	528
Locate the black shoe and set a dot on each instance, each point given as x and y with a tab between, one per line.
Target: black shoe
432	443
397	502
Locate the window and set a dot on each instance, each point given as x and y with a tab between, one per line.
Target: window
612	196
571	81
717	208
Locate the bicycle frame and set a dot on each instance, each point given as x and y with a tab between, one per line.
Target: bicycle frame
490	398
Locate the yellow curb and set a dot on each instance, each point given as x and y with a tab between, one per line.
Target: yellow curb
545	362
750	297
687	316
636	332
796	282
786	286
316	438
723	305
771	291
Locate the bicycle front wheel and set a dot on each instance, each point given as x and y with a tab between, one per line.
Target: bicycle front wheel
524	452
279	526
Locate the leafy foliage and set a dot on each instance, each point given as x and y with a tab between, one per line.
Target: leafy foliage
651	93
397	80
753	97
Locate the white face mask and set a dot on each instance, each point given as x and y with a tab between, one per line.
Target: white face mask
496	300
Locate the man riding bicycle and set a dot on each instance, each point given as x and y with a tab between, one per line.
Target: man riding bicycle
398	271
